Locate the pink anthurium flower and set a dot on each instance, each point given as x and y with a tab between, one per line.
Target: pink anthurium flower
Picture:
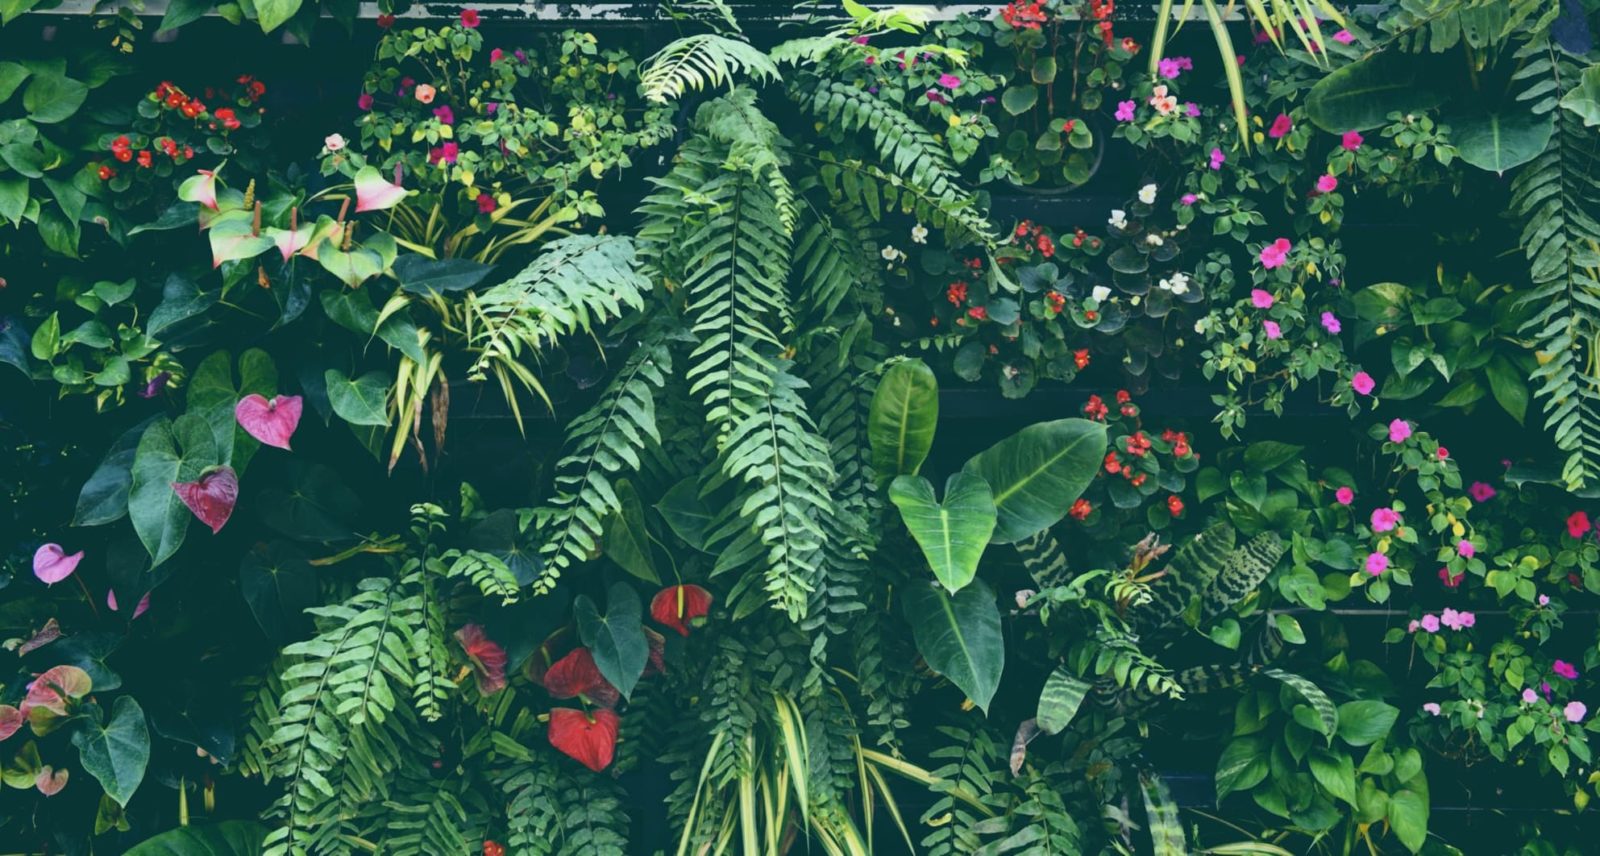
290	241
11	720
201	188
55	687
272	422
50	781
211	497
375	194
138	610
51	564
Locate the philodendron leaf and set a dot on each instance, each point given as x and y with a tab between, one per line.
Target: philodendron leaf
616	639
1500	140
116	753
359	401
952	535
626	541
1362	94
959	636
168	452
230	838
1036	474
905	410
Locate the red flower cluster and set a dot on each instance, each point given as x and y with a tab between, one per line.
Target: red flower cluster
1096	407
1058	303
1101	11
1138	444
1179	441
1175	505
956	293
1080	509
1023	16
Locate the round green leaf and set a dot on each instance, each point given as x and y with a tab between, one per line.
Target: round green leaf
1498	141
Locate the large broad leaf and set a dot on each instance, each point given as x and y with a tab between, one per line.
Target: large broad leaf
182	309
232	838
1336	773
1242	766
952	536
959	636
213	396
616	639
626	541
1363	94
116	753
423	276
53	97
1362	723
168	452
1037	472
1498	141
278	583
1063	694
1584	99
905	411
359	401
272	13
317	505
1408	817
104	497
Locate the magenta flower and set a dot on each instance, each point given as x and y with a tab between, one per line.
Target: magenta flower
1169	68
445	114
1465	549
949	81
1430	623
1450	580
1273	330
1529	696
1218	158
1344	37
1384	519
496	55
365	101
1575	711
1544	600
1192	110
1330	322
51	564
1189	199
469	18
1326	183
1276	253
1345	495
1433	708
1260	298
486	204
1377	563
1481	492
1362	383
1125	111
1399	430
139	609
1351	140
1578	524
1281	126
1565	670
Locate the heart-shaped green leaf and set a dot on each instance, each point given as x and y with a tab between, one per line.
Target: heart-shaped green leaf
952	536
168	452
359	401
116	753
959	636
616	639
232	838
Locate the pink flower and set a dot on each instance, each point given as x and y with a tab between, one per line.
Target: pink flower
1449	580
1565	670
1377	563
1578	524
1189	199
1399	430
1575	711
1362	383
1465	549
1169	68
1544	600
1413	626
1529	696
1192	110
1273	330
1481	492
425	93
486	204
1260	299
1345	495
1125	111
1351	140
51	564
445	114
1326	183
469	18
1442	453
1275	253
949	81
1384	519
1330	322
364	101
496	55
1430	623
1432	708
1344	37
1218	158
138	610
1281	126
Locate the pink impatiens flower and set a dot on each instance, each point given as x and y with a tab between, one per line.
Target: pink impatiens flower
1465	549
364	102
1578	524
1326	183
949	81
1260	299
1529	696
1450	580
1218	158
1125	111
1362	383
469	18
1430	623
1399	430
1433	708
1575	711
1276	253
1273	330
1377	563
1345	495
1344	37
1351	140
1281	126
1481	492
425	93
1330	322
1565	670
1384	519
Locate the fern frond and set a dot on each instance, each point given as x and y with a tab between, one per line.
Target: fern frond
707	59
488	573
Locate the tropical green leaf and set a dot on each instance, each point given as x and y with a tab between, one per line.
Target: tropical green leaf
229	838
1500	140
1036	473
117	752
626	540
959	636
1361	95
904	414
952	535
1063	693
361	401
168	452
616	639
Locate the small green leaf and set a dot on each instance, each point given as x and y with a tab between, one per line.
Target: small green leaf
272	13
1242	766
1020	99
53	97
1059	701
361	401
1362	723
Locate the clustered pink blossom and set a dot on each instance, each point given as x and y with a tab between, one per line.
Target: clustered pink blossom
1261	299
1281	126
1565	670
1330	322
1273	330
1377	563
1218	158
1351	140
1399	430
1465	549
1275	254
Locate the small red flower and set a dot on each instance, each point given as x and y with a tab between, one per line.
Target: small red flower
956	293
1448	580
681	607
1137	480
227	117
1130	46
493	848
1123	396
1057	302
1113	463
469	18
1080	358
1022	229
1443	453
193	108
385	21
1138	444
488	658
1578	524
1181	448
145	159
124	155
1091	315
1096	408
106	173
1047	247
1130	410
591	742
1080	509
120	143
486	204
1175	505
978	313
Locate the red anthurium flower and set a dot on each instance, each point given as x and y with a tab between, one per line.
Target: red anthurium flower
50	781
591	742
211	497
272	422
488	659
681	607
657	664
573	675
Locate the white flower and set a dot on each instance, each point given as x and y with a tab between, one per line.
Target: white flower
333	142
892	255
1153	240
1023	596
1147	194
1201	325
919	234
1119	218
1100	293
1178	283
1165	104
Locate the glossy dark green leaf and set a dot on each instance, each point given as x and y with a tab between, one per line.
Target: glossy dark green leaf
116	752
1362	723
959	636
51	98
952	534
1036	473
422	276
902	419
1242	766
279	583
362	400
626	541
317	505
1361	95
1500	140
230	838
685	512
168	452
104	497
616	639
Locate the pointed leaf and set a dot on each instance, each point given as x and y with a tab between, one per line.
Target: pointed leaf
959	636
117	752
361	401
1036	474
900	425
1059	701
953	535
168	453
616	639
